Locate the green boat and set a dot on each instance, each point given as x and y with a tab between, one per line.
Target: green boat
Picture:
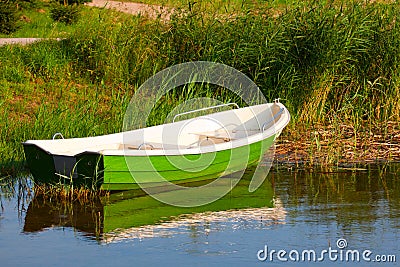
121	216
180	152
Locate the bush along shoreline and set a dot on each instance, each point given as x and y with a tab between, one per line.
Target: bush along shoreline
335	67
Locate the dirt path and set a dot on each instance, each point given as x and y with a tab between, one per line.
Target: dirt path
153	11
22	41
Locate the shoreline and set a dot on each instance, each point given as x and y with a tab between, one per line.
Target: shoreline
293	154
343	145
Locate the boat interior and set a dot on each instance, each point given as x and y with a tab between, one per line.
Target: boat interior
210	130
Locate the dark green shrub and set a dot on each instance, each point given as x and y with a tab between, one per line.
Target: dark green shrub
67	14
8	18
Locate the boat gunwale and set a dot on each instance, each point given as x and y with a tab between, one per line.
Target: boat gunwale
275	129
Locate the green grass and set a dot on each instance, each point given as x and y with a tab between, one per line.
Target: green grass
331	65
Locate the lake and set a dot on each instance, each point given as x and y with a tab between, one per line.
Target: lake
297	217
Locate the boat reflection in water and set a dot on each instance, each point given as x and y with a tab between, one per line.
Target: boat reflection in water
121	216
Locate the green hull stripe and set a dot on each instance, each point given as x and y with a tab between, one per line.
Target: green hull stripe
179	168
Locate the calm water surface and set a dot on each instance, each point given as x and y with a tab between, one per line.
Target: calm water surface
295	210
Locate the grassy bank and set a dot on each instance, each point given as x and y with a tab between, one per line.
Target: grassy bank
336	67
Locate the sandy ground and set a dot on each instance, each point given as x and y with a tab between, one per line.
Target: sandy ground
152	11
